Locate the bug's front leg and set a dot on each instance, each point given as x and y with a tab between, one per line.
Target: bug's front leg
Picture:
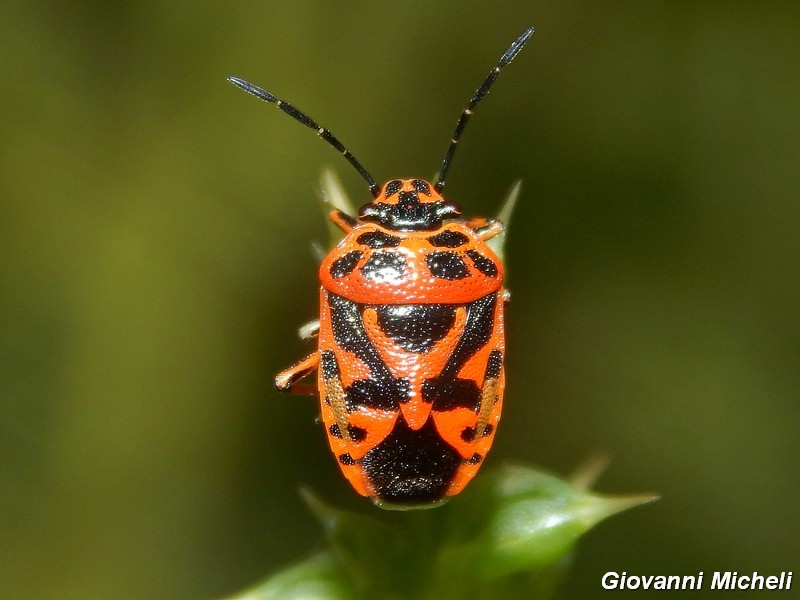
342	220
486	228
287	380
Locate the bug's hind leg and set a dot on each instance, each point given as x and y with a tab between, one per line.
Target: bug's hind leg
287	380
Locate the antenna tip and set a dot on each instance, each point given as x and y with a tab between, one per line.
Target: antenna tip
252	89
516	47
240	83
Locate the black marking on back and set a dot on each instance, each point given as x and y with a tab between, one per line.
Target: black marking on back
411	467
483	264
346	459
384	266
329	366
393	187
416	327
378	239
447	393
475	459
344	265
447	265
494	364
448	239
357	434
421	186
477	332
350	334
385	393
381	390
409	197
468	435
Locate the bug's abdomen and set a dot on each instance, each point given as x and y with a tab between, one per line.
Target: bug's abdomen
410	393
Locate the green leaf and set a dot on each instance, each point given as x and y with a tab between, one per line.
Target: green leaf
318	578
367	547
509	534
498	243
521	520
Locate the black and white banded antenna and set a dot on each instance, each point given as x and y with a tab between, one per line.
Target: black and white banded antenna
303	118
476	99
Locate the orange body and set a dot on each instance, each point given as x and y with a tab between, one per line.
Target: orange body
411	346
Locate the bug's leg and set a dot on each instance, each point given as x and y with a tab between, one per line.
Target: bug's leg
342	220
489	230
286	381
309	330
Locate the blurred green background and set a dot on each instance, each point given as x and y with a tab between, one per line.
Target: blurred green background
155	264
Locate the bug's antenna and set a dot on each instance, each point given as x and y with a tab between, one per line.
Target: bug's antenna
322	132
479	94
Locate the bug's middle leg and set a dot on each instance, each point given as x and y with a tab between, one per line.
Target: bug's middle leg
287	380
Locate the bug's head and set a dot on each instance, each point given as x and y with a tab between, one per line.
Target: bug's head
402	204
409	205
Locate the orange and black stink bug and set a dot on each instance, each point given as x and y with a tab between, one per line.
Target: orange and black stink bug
410	335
